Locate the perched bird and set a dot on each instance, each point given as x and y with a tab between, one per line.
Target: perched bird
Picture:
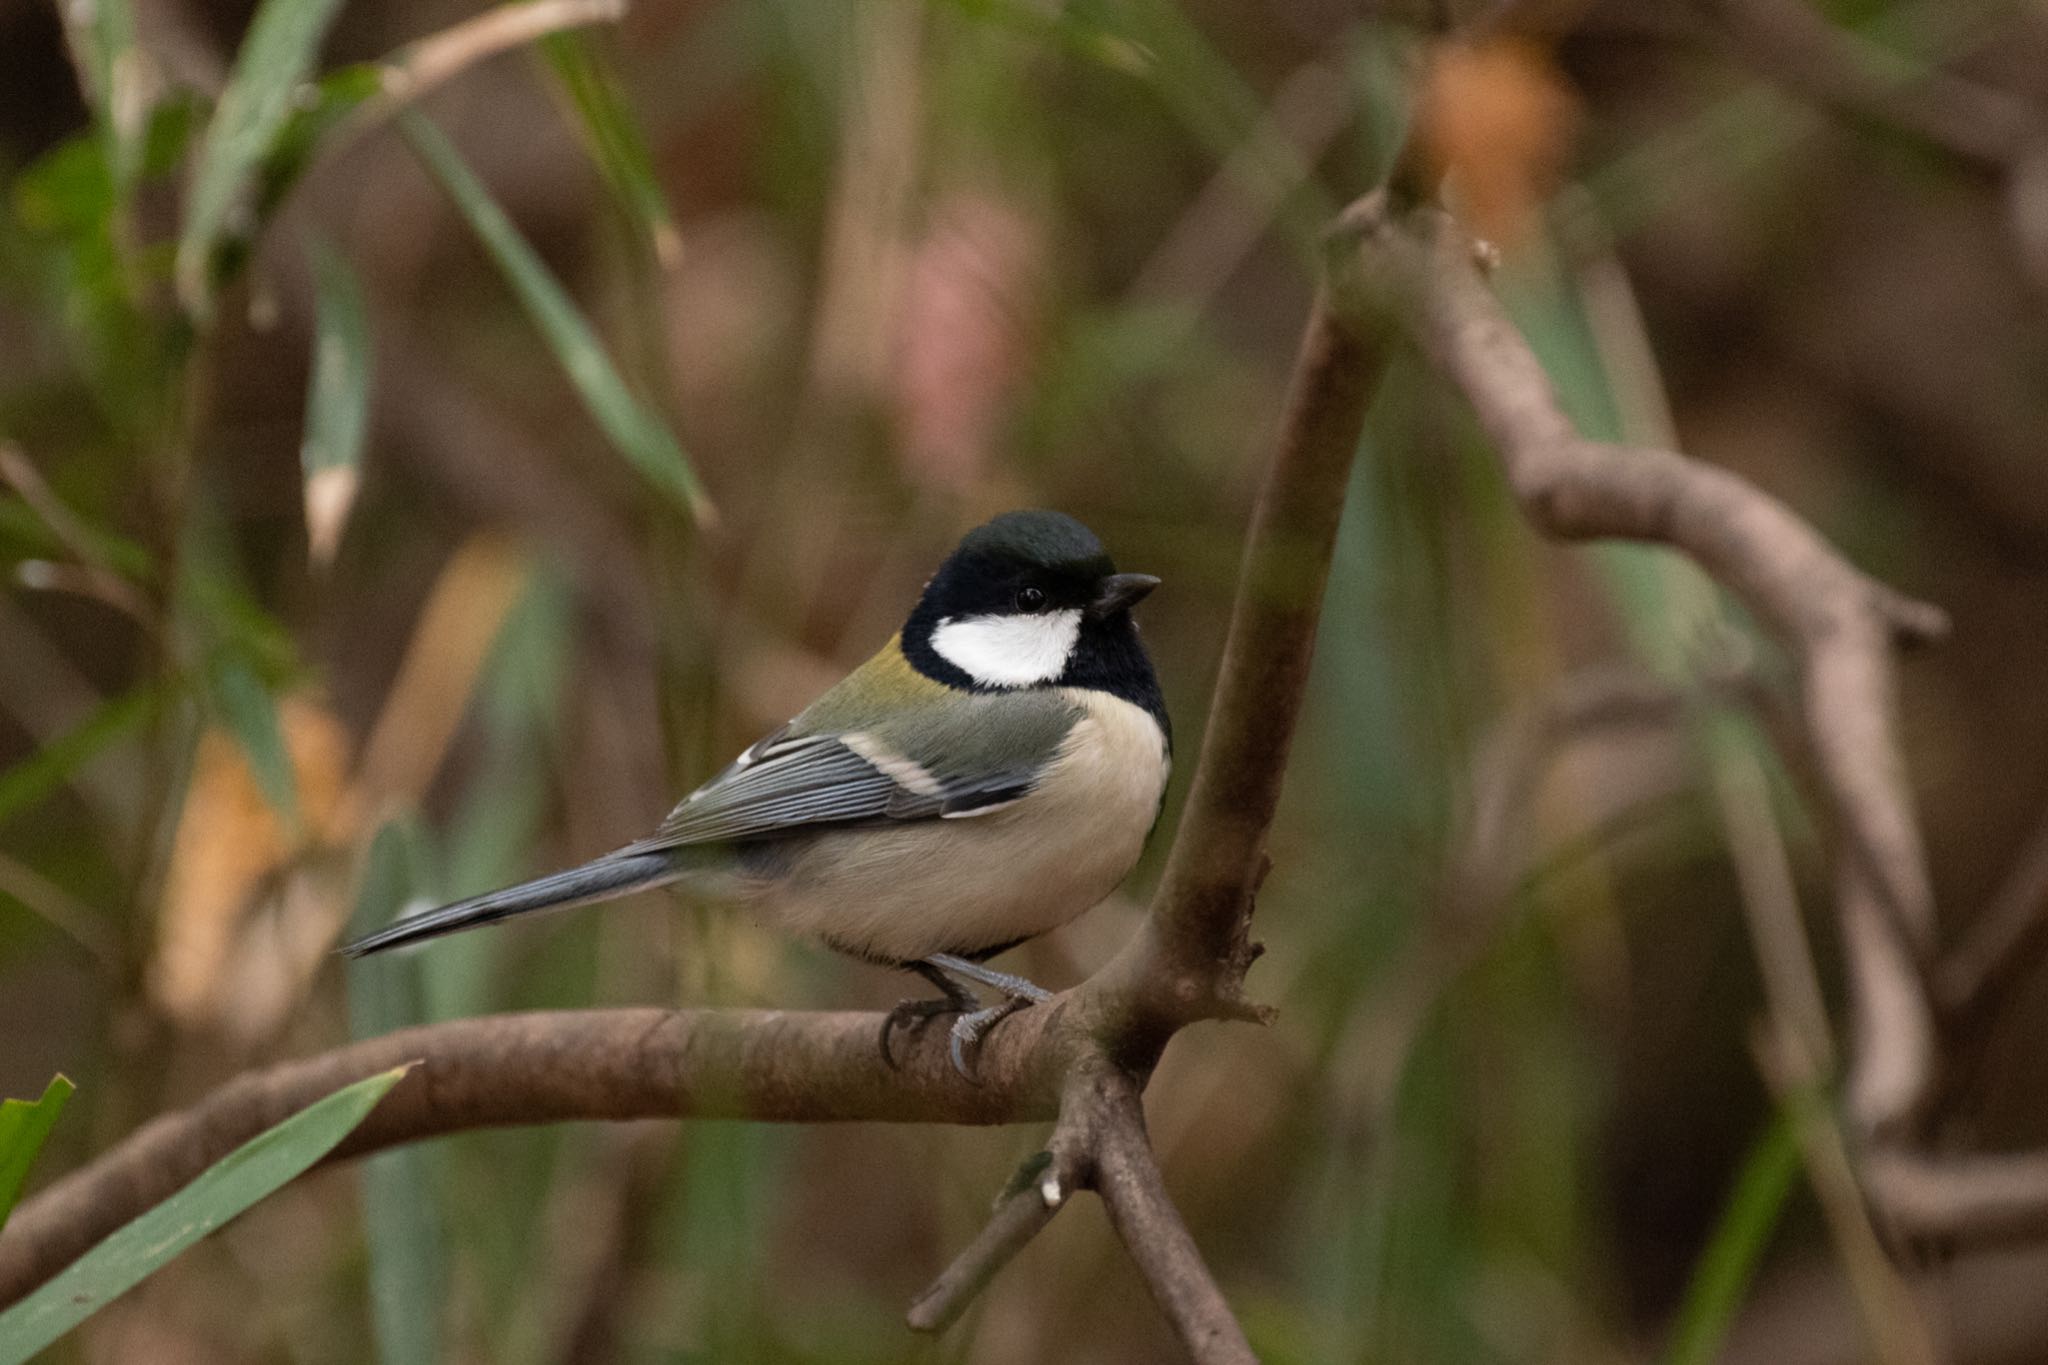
989	775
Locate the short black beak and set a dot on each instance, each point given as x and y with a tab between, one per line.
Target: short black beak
1120	592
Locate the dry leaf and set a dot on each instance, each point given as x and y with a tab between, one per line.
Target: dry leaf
1498	119
229	851
448	649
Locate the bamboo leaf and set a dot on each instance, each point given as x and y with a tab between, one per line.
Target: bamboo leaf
23	1126
634	430
274	59
249	712
592	90
257	1168
337	403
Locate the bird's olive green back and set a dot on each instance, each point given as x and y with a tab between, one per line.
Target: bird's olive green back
952	734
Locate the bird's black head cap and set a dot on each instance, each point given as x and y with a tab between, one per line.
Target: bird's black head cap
1027	561
1032	562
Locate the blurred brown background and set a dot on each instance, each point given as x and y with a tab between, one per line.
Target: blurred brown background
915	263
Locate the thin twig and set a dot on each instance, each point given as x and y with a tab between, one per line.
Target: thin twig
2006	940
1794	44
1040	1188
421	66
1988	1198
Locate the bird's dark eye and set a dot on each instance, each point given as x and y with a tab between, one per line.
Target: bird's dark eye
1030	599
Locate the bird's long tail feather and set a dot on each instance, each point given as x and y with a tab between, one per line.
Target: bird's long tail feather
601	879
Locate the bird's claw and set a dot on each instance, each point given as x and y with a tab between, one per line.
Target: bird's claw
914	1014
970	1028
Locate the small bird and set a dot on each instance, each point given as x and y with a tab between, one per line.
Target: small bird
989	775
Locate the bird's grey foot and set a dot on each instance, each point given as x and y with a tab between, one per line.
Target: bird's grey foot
914	1014
946	971
970	1028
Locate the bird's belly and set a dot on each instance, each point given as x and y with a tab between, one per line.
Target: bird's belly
897	893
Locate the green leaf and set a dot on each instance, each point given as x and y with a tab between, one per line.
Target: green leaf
337	402
408	1259
23	1126
258	1167
274	59
42	772
315	115
1726	1267
636	432
101	36
592	89
245	706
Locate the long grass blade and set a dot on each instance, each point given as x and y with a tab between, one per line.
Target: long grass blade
40	774
337	403
274	58
134	1252
408	1260
633	428
591	88
1722	1275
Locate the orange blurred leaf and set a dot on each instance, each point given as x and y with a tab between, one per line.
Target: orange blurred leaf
229	850
1497	118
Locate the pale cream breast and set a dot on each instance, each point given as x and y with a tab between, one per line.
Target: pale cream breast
960	885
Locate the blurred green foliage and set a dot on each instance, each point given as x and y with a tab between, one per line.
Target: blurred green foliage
881	270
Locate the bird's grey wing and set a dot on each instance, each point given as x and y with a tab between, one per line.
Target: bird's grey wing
886	743
785	783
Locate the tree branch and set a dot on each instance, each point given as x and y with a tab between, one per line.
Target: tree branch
1039	1189
1127	1177
544	1068
1189	961
1836	621
1974	1198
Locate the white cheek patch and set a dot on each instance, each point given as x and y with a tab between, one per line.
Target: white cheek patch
1009	651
